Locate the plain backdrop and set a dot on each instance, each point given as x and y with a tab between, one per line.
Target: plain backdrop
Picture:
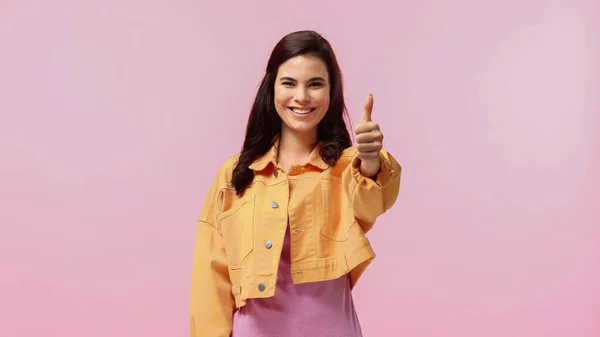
115	115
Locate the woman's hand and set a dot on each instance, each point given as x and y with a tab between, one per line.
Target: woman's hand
369	141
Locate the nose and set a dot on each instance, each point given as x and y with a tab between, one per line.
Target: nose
302	95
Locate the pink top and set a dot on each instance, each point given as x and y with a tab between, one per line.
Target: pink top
319	309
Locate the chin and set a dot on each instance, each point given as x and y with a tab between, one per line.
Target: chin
302	127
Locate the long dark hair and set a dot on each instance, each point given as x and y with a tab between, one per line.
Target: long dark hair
264	123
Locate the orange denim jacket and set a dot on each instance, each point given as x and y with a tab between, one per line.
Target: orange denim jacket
239	239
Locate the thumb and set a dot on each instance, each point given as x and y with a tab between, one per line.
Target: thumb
368	109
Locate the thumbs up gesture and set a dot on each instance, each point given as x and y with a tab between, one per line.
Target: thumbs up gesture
369	141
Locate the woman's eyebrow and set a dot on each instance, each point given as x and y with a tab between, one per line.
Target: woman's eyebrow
313	79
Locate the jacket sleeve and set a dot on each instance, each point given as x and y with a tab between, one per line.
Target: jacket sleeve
212	302
371	197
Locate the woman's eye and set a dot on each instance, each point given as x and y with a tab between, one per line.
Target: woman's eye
316	84
287	83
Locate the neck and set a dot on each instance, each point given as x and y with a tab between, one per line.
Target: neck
296	146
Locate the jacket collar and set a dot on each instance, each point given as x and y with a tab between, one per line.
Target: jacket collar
270	157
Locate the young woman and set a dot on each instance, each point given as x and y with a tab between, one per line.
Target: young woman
281	236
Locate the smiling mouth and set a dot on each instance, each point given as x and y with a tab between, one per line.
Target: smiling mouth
301	112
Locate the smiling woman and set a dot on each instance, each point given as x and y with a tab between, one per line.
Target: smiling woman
288	82
281	238
302	93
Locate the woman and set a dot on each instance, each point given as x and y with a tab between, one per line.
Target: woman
281	237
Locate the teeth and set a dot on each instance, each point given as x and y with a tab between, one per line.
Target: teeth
302	111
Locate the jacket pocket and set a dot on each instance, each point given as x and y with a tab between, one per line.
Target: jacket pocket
237	229
335	210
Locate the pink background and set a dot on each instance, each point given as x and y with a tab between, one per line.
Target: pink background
115	115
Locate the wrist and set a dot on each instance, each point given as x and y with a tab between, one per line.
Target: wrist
370	169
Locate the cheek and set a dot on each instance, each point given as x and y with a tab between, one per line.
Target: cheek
281	97
323	100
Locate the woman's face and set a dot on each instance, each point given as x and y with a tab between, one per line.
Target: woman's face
302	93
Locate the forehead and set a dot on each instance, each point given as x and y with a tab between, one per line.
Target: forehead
303	67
